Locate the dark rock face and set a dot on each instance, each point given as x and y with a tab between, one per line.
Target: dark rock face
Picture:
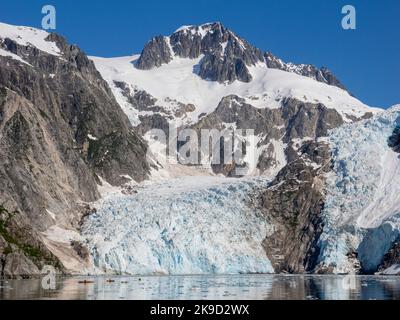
22	254
308	119
322	74
329	78
60	128
392	257
226	56
293	203
214	69
143	101
155	53
139	100
394	140
294	120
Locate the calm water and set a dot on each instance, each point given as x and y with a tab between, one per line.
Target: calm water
209	287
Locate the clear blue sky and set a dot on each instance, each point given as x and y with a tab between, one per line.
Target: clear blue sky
366	60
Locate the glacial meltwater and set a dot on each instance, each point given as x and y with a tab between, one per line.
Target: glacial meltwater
225	287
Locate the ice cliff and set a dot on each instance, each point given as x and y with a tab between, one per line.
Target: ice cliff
361	208
189	225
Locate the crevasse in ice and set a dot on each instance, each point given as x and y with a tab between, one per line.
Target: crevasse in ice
187	225
362	193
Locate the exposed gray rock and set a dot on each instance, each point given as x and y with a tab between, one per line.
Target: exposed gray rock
60	128
308	119
155	53
294	120
139	99
17	265
392	257
226	56
293	203
80	249
394	140
227	70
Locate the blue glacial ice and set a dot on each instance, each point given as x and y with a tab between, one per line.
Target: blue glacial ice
362	193
191	225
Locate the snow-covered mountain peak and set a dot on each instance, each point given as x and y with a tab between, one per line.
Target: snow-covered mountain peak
216	30
28	36
203	29
182	79
225	56
174	85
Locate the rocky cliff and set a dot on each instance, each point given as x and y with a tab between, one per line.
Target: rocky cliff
61	133
225	56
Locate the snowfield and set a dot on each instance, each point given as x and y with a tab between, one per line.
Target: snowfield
179	81
192	225
27	36
361	209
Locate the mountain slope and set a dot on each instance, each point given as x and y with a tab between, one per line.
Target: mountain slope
176	83
61	131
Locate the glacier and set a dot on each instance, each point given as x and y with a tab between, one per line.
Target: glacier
361	212
187	225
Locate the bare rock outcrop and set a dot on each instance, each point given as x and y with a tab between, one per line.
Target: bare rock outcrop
293	203
60	130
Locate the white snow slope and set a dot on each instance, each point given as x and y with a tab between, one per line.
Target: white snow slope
178	81
362	206
27	36
180	226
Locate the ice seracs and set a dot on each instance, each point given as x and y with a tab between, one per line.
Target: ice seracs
191	225
361	209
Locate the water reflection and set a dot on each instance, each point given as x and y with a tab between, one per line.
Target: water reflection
227	287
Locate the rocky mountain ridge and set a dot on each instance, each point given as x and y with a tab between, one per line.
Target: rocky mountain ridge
61	133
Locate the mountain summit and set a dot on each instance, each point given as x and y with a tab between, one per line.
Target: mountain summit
75	135
225	56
